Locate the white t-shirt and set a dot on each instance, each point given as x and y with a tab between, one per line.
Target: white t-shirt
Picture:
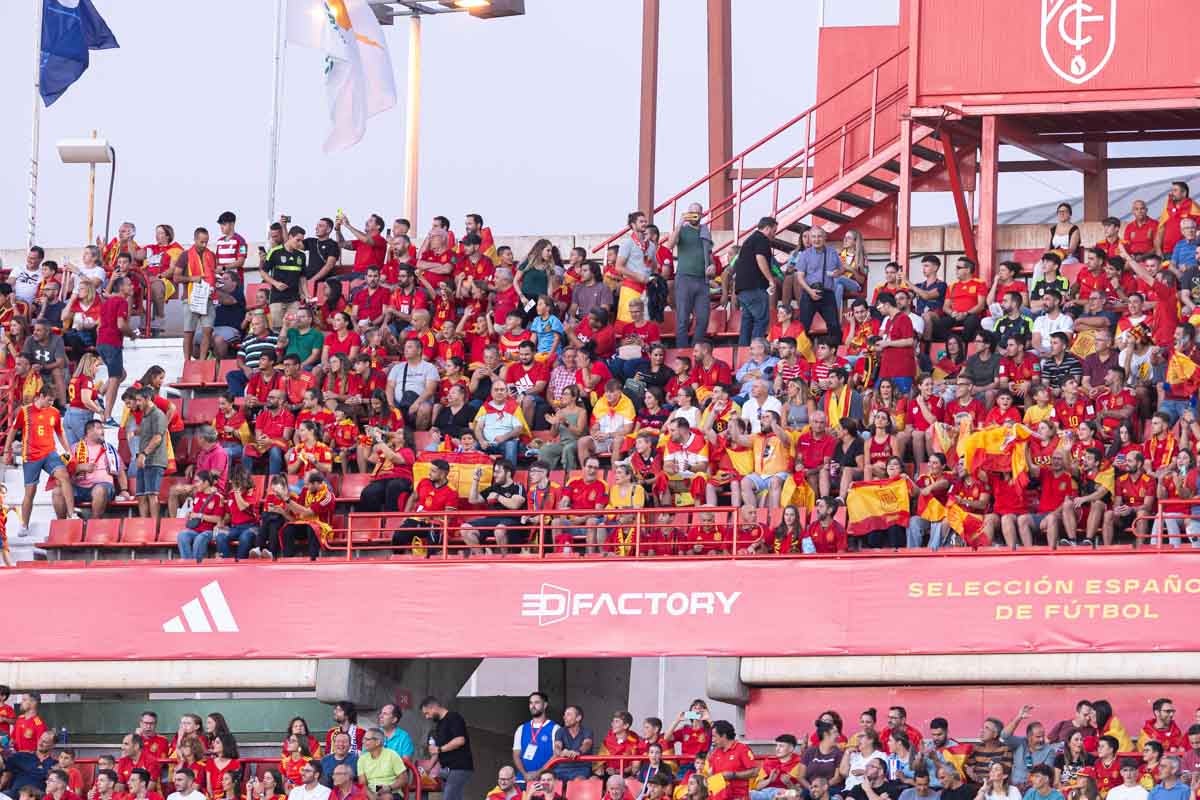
25	283
751	410
1013	792
1044	326
318	792
194	794
1123	792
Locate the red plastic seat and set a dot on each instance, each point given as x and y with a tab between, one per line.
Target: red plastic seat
64	533
590	789
224	367
103	532
139	532
200	411
168	530
197	372
164	490
352	487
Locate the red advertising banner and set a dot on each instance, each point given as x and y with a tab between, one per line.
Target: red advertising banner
988	602
1050	50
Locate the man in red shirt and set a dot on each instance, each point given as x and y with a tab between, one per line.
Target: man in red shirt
781	771
110	336
1164	286
1073	407
1141	232
152	743
527	379
897	356
436	264
273	429
1178	205
706	537
368	302
41	426
1017	368
965	302
707	369
406	298
134	756
827	535
814	449
1057	486
29	727
474	268
584	493
1133	495
1092	278
732	760
57	783
432	494
633	342
369	246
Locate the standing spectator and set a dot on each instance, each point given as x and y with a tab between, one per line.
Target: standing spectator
732	760
345	719
897	338
636	261
324	254
369	246
27	731
1178	206
230	248
752	277
199	264
534	741
41	426
151	459
572	740
284	273
48	355
693	241
82	400
449	747
395	738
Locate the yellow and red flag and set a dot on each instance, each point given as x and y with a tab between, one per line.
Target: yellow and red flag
798	493
462	470
874	505
966	524
1182	373
1000	448
933	510
718	788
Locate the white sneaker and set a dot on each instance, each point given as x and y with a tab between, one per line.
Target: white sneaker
254	553
23	532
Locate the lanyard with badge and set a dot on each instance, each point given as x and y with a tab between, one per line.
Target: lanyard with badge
532	748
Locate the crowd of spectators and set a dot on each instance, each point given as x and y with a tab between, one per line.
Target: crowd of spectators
548	363
1089	755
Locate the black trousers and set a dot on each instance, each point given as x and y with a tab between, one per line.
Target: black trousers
944	323
384	495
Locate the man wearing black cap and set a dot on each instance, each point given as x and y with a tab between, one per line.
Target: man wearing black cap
432	494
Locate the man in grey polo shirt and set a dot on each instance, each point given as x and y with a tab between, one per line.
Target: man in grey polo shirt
816	271
692	265
411	385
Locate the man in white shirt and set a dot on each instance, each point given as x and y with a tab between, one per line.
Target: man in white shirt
185	786
760	400
310	789
1130	789
1052	321
25	278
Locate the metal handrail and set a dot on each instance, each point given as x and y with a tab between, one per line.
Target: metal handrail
805	116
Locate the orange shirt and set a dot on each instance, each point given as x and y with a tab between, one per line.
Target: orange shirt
40	425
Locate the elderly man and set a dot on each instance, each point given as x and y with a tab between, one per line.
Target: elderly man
615	788
816	271
343	786
500	423
96	472
378	767
31	767
506	785
211	458
760	400
693	243
1170	787
1028	750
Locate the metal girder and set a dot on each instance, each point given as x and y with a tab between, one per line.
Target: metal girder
1012	133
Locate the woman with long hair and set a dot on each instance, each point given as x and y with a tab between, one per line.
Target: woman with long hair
855	758
270	786
82	394
224	759
80	319
297	756
535	272
788	533
336	383
1072	760
190	753
998	785
236	540
342	339
160	269
692	729
569	422
881	447
854	267
848	462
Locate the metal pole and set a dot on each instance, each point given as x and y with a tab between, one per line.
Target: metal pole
412	121
647	136
276	102
31	226
91	198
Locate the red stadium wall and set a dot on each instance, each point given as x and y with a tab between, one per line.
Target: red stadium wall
773	711
993	53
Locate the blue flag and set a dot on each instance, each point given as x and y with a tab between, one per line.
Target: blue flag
70	28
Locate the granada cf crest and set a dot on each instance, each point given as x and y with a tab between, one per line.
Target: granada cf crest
1078	37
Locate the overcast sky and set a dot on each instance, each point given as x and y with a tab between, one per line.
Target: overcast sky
531	121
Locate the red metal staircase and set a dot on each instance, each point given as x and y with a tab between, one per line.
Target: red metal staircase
836	178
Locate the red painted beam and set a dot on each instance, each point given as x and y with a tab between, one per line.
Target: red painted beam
1013	133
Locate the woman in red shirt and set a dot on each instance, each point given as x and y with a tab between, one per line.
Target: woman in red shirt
299	727
924	410
297	756
224	760
1042	446
80	320
241	512
1008	279
692	730
336	383
881	446
341	340
270	786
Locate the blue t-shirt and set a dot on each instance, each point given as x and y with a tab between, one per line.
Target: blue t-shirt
547	331
937	302
400	743
330	761
1180	791
27	770
1032	794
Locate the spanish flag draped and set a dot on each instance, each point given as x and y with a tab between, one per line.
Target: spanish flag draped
1182	373
933	511
718	788
966	524
462	470
874	505
956	756
804	348
1000	448
243	433
798	493
1108	479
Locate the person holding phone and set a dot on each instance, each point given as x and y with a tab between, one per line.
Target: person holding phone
693	270
378	767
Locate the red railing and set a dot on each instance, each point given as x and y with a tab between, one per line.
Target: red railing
801	158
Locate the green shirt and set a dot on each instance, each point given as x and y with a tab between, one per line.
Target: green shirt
304	345
154	422
382	771
690	252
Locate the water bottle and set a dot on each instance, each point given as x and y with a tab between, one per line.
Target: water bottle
63	735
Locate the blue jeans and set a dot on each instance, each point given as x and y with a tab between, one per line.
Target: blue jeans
274	461
623	369
234	451
756	309
840	287
74	421
241	535
236	380
454	782
510	450
826	306
918	527
1174	407
194	544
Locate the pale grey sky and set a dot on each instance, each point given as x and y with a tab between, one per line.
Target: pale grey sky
531	121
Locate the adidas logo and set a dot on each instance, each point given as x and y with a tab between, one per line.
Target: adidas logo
195	620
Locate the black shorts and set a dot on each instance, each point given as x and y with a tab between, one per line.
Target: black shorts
486	527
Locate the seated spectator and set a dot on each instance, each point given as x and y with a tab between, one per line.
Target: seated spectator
989	754
260	340
584	493
412	385
432	494
309	453
506	786
966	300
273	429
208	511
504	494
212	457
612	419
240	528
379	767
48	356
1052	320
96	473
527	378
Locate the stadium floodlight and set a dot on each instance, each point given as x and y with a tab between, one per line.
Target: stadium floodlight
91	151
488	9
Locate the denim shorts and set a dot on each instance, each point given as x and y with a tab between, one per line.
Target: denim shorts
33	469
113	360
149	480
83	494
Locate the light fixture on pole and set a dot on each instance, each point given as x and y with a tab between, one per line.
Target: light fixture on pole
92	151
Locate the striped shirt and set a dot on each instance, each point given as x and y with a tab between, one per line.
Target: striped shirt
229	249
1055	373
254	346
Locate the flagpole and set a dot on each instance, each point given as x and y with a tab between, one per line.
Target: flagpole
412	120
31	223
276	102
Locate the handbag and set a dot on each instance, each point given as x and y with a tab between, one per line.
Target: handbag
198	300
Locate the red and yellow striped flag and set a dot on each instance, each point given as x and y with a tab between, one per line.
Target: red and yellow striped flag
875	505
966	524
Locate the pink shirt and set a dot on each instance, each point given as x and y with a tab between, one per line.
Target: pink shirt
96	454
216	460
